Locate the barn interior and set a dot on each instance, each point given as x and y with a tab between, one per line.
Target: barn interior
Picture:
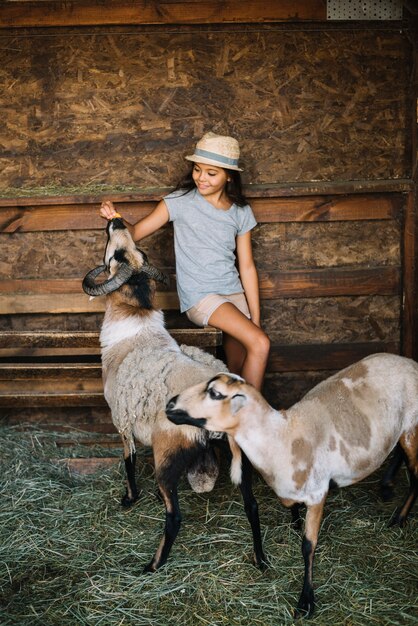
101	99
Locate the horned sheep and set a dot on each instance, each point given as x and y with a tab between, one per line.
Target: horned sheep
143	366
338	434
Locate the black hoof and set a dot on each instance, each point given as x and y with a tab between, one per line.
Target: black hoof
149	569
261	562
127	501
397	519
305	606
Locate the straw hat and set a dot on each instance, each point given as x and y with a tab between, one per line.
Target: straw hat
218	150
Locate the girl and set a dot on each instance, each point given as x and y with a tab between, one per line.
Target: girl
212	223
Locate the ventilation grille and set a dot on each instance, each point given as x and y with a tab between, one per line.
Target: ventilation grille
364	9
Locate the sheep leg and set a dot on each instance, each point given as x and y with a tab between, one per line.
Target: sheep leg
132	493
172	456
296	517
171	530
306	604
386	486
409	445
251	510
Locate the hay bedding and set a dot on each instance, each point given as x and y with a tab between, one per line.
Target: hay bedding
70	555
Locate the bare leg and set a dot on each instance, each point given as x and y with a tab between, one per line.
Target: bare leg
253	340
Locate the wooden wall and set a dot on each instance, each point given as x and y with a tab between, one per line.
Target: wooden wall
323	115
120	108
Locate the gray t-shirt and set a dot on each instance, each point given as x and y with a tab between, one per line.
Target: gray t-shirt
204	244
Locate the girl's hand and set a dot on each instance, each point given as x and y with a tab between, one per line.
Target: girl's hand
107	210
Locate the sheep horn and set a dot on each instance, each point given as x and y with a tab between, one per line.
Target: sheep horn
155	274
93	289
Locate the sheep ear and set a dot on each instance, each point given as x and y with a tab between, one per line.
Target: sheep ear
237	402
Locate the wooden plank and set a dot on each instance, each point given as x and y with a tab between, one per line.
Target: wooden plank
409	340
270	190
87	466
75	398
87	342
50	386
41	296
330	282
315	357
96	12
46	420
71	302
57	371
83	216
49	339
60	286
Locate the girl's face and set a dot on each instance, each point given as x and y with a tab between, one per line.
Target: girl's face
209	179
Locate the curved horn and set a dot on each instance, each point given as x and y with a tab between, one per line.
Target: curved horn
93	289
155	273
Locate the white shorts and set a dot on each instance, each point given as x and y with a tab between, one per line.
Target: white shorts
200	313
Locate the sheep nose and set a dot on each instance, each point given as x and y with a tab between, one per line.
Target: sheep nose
171	403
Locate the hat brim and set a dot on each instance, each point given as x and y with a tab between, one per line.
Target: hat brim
199	159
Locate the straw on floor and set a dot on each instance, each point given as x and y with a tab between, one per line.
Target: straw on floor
71	555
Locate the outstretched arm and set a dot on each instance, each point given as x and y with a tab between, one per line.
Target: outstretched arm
145	227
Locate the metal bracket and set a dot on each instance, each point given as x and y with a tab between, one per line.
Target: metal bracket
364	9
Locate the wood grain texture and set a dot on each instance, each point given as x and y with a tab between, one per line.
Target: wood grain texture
19	216
24	13
119	111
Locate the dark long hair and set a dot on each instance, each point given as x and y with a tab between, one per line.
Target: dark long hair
233	188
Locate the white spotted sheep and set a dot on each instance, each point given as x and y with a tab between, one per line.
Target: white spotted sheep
339	433
143	366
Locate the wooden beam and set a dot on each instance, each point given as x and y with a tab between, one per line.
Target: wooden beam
23	13
26	217
315	357
69	300
15	342
266	190
330	282
32	371
65	296
16	399
409	311
87	466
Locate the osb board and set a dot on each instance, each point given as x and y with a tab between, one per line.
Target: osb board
332	320
328	244
122	109
284	389
276	247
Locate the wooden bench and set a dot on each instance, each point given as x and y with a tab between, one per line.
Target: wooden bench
62	368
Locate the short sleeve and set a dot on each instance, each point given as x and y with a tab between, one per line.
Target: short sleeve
247	220
174	201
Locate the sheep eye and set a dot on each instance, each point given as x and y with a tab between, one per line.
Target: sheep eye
215	395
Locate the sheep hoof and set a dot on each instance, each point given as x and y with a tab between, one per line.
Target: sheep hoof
150	568
127	501
306	605
397	519
262	563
